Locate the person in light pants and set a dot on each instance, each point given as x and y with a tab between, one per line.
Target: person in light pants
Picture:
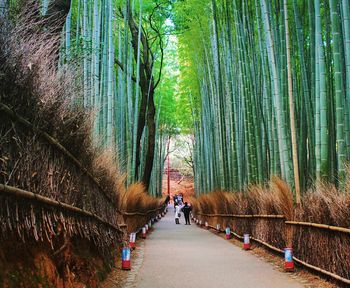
177	214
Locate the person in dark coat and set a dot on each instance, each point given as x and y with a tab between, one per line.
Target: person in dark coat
167	200
187	210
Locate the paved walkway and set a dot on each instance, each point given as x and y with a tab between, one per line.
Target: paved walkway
191	257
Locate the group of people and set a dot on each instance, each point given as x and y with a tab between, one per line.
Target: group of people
179	207
178	199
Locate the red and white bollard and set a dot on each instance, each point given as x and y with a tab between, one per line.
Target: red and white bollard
146	226
200	222
132	240
206	225
228	233
144	232
246	242
126	258
150	224
288	259
218	227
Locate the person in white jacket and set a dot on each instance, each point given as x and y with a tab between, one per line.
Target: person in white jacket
177	214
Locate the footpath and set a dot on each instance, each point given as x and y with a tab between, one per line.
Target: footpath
190	257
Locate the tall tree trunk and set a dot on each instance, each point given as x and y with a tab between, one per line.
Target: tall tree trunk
147	108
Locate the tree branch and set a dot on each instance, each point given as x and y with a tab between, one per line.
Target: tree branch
121	66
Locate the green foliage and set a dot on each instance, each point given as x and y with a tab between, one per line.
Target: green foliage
233	60
175	108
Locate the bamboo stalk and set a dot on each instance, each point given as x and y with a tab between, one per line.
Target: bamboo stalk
321	226
14	191
291	110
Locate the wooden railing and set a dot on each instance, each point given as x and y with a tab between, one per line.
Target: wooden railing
51	140
13	191
294	223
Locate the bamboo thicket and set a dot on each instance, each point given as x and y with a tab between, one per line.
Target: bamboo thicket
273	90
120	71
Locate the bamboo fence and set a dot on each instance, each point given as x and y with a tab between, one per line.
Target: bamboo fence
13	191
51	140
320	226
294	223
243	215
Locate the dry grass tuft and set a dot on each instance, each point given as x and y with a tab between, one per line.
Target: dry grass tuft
285	204
135	199
284	196
107	172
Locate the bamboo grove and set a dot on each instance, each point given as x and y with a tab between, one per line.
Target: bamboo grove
269	74
119	47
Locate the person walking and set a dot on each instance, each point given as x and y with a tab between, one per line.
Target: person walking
167	200
177	214
187	210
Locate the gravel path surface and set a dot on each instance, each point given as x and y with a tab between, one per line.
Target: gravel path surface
187	256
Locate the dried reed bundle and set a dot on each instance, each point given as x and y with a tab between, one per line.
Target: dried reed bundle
205	203
285	204
195	204
324	204
219	202
33	88
284	197
135	199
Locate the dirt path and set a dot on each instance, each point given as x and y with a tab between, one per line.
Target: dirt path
188	256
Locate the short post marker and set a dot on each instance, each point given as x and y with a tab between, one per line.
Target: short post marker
218	227
288	260
144	232
246	242
126	258
228	233
206	225
132	240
